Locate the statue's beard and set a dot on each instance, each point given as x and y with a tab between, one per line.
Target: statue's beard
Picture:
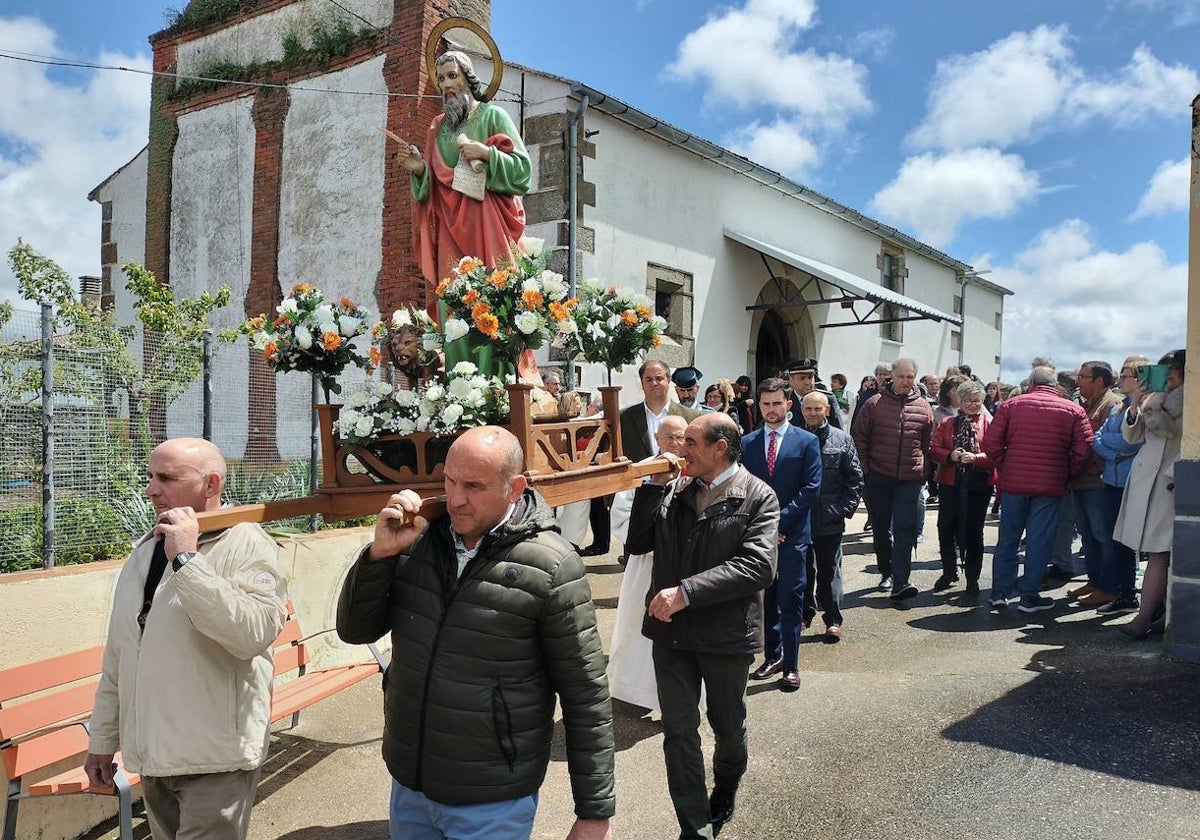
456	107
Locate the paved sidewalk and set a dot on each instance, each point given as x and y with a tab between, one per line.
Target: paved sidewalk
938	720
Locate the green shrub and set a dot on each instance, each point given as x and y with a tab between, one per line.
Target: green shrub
22	530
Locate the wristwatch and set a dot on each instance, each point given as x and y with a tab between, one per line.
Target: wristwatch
181	559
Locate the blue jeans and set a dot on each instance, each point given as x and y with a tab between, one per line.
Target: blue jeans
1120	561
893	505
1037	518
1097	535
413	816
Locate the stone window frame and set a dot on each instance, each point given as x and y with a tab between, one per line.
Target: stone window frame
893	281
677	285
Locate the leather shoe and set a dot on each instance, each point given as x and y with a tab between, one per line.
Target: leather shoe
593	551
1081	591
833	634
790	681
721	806
1096	598
767	670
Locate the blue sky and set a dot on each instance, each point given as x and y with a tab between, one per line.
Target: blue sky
1043	140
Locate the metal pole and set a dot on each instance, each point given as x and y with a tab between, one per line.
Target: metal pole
206	379
573	212
47	435
962	330
314	520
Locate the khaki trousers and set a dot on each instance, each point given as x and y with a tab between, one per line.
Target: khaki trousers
204	806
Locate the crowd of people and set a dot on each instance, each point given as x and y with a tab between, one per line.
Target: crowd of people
732	549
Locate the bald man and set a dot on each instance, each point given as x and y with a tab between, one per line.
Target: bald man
185	690
491	618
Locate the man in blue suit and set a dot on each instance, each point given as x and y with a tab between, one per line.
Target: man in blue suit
788	458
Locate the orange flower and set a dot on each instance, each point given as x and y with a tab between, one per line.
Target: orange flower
479	310
270	350
377	330
301	289
499	278
558	312
531	299
643	312
571	303
280	321
612	290
442	285
470	297
346	303
628	318
374	355
257	322
656	341
468	264
488	324
332	341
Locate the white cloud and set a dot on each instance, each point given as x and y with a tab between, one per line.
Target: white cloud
1168	190
875	44
1029	82
1180	12
748	58
59	138
999	95
933	194
1075	301
780	145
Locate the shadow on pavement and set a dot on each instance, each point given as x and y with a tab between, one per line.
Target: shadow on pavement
1092	704
631	724
372	830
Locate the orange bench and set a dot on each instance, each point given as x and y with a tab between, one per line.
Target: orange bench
49	722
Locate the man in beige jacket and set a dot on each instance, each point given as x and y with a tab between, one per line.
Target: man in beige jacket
185	692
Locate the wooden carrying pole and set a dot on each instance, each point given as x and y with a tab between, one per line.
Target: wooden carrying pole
557	488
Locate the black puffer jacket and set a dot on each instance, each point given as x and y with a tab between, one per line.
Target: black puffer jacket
477	662
841	482
722	556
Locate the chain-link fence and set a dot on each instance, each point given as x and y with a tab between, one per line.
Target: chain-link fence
106	416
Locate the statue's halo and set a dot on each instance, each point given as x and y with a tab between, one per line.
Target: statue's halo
463	23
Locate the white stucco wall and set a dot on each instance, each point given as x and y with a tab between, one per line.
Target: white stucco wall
331	207
126	191
260	39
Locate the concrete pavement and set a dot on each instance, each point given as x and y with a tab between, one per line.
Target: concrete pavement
937	720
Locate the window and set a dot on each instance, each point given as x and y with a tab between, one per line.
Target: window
997	360
671	291
958	304
955	340
891	276
999	321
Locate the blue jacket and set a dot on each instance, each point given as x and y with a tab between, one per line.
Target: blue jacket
796	481
1110	445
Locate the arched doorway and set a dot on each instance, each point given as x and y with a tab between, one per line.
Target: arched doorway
779	335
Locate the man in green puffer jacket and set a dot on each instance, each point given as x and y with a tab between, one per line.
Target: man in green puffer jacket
491	618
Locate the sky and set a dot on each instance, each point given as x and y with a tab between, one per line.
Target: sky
1043	141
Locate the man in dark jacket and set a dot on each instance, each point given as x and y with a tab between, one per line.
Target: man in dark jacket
714	541
491	618
1038	441
803	379
639	423
841	488
892	434
788	459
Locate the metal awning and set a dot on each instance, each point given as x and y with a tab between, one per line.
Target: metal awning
852	287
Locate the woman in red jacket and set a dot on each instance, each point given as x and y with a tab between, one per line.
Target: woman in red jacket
966	479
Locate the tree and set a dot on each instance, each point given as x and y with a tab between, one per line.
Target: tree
171	359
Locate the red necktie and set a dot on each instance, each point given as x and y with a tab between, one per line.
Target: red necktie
772	446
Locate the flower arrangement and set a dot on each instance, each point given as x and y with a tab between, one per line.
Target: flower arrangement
467	399
310	334
516	306
611	326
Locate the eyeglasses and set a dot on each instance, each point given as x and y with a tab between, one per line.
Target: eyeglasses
675	438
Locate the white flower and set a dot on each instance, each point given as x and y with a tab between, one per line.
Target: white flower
364	427
430	342
459	388
533	246
405	426
594	284
554	285
401	318
348	325
381	388
456	328
422	424
435	392
567	326
531	285
451	414
526	322
357	398
406	399
260	340
464	369
596	331
640	300
288	306
462	264
303	337
427	408
659	323
614	322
